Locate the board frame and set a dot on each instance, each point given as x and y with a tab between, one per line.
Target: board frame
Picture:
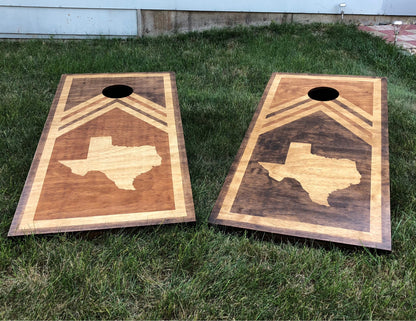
379	235
23	222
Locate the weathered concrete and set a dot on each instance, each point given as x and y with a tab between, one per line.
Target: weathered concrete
156	22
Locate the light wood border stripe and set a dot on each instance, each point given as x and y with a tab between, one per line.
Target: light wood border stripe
332	77
300	226
120	75
35	225
179	195
376	167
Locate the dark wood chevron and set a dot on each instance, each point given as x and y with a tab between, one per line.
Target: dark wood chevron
106	162
335	184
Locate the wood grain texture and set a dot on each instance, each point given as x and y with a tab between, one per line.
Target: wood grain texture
108	162
314	169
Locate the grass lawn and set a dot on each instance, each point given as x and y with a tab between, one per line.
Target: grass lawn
199	271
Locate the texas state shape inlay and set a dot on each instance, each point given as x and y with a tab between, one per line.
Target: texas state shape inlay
121	164
319	176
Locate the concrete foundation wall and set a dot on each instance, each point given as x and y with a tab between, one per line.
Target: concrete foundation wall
169	22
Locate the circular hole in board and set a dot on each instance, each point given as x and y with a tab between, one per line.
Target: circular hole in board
117	91
323	93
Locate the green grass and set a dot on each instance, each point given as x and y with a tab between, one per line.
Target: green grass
198	271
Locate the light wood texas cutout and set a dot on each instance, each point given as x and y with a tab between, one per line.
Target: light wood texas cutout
319	176
121	164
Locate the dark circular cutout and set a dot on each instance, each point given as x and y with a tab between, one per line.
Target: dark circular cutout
117	91
323	93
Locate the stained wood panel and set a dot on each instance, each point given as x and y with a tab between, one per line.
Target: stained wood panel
314	167
112	154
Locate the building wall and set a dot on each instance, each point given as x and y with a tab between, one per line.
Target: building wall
79	18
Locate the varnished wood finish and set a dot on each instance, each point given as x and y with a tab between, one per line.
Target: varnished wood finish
314	169
108	162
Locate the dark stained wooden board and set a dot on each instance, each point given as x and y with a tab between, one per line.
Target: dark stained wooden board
314	167
112	154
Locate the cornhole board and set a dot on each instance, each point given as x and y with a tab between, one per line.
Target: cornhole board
112	154
314	162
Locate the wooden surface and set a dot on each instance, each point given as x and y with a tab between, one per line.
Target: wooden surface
314	168
106	162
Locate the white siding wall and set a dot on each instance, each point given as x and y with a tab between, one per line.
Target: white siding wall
18	21
399	7
69	18
289	6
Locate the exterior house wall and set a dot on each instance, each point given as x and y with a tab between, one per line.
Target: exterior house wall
125	18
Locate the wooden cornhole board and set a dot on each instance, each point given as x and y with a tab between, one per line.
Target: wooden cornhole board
111	154
314	167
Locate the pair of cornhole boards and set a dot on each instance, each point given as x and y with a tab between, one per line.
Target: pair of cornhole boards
313	163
